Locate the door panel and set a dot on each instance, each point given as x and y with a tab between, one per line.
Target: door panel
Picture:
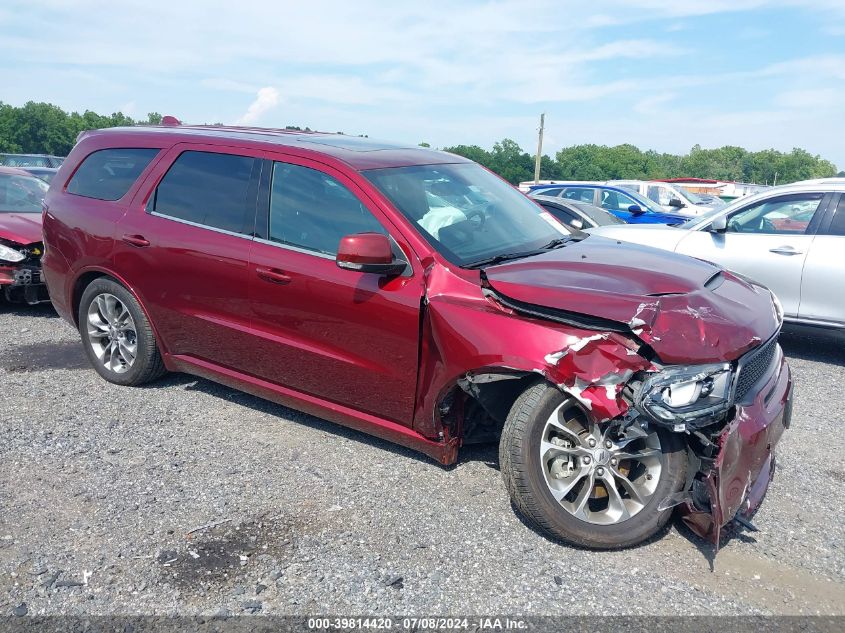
193	278
823	281
348	337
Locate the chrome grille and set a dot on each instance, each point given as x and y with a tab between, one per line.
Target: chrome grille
753	366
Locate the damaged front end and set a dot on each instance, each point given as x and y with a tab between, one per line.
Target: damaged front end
20	273
730	413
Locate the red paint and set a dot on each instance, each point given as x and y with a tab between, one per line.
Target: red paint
365	248
381	353
21	228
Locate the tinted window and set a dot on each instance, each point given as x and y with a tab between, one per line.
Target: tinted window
108	173
579	194
312	210
783	215
209	189
564	215
617	201
837	225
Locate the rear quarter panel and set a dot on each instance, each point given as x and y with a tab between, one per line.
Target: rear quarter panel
79	231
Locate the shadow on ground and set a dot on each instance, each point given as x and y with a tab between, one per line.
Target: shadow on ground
819	346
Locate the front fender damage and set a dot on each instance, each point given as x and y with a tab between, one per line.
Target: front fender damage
476	349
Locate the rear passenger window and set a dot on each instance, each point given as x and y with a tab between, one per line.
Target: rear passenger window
837	224
107	174
312	210
209	189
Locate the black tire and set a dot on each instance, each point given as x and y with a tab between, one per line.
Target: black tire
147	365
521	468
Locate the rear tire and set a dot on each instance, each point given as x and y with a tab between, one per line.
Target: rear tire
576	492
117	336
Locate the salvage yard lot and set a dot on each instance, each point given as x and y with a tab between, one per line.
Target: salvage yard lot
100	484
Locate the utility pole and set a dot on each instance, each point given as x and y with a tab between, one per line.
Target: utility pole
539	150
775	183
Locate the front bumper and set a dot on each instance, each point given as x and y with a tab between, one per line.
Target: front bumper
23	283
737	480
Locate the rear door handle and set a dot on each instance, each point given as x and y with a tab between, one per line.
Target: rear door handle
136	240
784	250
273	275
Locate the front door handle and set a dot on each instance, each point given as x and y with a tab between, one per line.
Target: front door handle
136	240
784	250
273	275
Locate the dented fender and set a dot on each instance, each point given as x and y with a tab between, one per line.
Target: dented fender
467	332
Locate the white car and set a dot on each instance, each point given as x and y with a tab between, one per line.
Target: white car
672	197
789	238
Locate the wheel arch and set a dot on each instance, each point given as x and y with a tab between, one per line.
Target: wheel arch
86	277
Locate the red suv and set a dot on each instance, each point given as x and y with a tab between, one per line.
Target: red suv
414	295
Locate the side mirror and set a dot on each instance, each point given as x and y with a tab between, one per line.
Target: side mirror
636	209
368	253
675	202
719	225
577	223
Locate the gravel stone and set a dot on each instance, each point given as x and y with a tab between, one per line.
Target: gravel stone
103	480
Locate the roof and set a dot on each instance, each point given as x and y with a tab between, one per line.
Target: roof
358	152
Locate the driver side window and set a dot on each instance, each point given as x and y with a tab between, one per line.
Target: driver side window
785	215
617	201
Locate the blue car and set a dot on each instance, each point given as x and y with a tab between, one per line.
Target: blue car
625	204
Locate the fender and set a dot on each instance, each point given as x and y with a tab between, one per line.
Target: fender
106	272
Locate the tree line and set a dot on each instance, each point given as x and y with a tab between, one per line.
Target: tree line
600	162
43	128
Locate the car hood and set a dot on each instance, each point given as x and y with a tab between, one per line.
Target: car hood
687	310
22	228
658	218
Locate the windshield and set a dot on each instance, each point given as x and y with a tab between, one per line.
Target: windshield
466	213
703	199
21	194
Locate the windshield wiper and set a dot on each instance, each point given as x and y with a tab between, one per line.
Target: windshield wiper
556	243
498	259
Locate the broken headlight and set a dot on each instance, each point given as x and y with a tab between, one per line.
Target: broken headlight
682	397
10	254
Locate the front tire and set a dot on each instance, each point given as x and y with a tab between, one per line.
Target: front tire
574	481
116	335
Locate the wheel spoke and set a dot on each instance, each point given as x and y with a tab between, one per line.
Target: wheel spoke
545	447
639	455
560	493
555	422
584	496
127	352
629	486
614	499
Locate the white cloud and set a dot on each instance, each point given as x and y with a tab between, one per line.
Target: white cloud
266	100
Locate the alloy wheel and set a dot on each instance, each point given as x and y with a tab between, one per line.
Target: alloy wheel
592	476
111	333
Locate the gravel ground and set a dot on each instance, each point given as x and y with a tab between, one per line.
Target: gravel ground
100	487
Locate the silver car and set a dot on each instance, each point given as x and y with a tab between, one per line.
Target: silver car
789	238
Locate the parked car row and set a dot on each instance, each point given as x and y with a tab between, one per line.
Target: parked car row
31	160
789	238
414	295
671	198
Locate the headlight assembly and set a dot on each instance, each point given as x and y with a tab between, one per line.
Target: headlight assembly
682	397
10	254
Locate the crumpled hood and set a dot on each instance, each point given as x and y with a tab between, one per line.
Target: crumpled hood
21	228
687	310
